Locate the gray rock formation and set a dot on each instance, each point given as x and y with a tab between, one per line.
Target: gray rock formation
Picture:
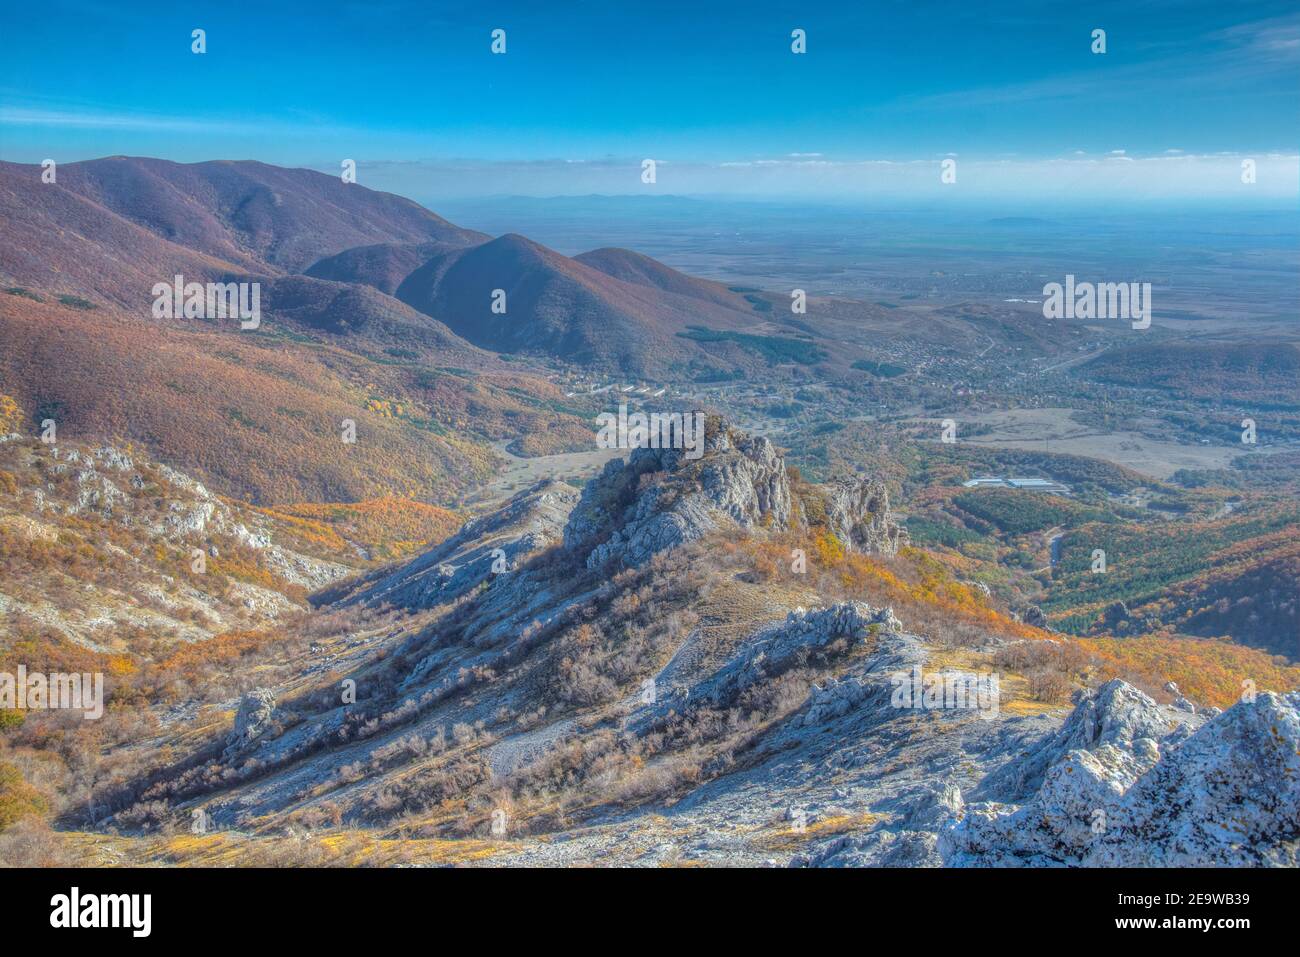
835	698
658	499
1116	714
858	513
530	521
1123	785
1181	702
935	807
786	645
253	719
1034	615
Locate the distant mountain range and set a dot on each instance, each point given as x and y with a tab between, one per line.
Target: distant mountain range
107	230
610	308
251	215
257	414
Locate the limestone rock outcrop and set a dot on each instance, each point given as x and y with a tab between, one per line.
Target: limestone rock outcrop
659	499
858	512
1121	784
488	545
254	718
790	643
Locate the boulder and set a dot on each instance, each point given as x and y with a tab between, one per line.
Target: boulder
253	719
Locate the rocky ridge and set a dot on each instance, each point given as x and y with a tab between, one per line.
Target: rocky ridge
489	545
464	700
658	499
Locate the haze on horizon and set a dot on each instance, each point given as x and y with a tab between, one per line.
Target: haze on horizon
882	96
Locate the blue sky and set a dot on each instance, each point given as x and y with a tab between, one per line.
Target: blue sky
586	90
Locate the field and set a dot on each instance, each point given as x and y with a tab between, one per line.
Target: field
1055	430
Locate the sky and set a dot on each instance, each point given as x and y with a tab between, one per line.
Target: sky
1010	91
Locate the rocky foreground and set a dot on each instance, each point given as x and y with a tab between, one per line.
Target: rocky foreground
577	679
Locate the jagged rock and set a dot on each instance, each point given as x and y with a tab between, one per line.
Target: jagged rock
184	482
799	814
253	719
530	521
858	514
659	499
778	648
188	518
879	848
1033	615
935	806
836	698
1180	702
114	458
1228	794
96	493
1117	713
